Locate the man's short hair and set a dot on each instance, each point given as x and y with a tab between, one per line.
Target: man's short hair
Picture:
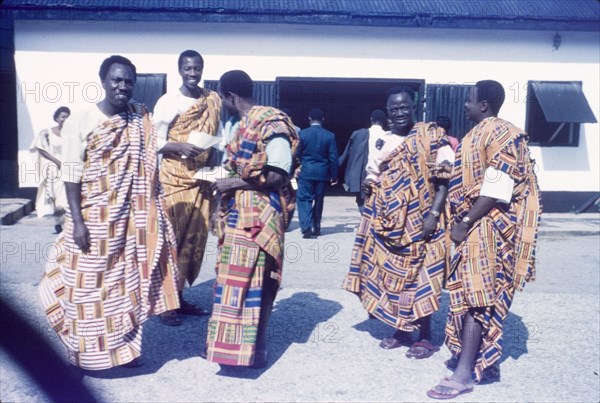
399	89
59	111
492	92
115	59
189	53
316	114
444	122
237	82
378	116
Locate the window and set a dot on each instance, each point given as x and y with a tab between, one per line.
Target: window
448	100
555	110
148	88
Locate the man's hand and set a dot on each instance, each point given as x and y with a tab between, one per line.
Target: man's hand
186	150
459	233
81	236
366	188
429	226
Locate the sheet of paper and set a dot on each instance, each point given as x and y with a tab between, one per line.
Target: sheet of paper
203	140
211	174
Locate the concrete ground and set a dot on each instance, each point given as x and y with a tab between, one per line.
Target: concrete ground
322	346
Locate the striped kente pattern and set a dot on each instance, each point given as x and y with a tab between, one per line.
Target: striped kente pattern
498	256
188	200
253	234
396	274
97	302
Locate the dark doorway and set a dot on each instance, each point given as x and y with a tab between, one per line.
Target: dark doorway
347	102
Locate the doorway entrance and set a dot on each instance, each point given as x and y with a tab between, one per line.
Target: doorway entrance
347	103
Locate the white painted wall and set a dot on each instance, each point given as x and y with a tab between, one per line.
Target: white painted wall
57	64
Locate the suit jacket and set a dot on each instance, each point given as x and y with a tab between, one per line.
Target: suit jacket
355	157
318	154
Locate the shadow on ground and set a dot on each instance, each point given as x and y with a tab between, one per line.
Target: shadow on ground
515	339
162	343
293	320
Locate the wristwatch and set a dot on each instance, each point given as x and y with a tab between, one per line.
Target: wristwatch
434	213
467	220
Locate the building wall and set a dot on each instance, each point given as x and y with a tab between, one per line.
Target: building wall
57	64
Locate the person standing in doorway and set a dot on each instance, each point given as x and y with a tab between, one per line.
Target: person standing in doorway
319	167
356	155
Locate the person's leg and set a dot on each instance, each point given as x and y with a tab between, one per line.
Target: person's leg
423	347
463	375
471	342
319	190
269	292
304	199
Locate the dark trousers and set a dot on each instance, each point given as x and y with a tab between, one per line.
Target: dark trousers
309	198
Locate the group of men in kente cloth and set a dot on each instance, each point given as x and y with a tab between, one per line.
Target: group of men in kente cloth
401	257
136	226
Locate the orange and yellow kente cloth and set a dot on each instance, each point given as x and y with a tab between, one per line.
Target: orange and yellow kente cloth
396	274
188	200
97	302
498	256
251	233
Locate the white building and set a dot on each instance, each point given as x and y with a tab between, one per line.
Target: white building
341	56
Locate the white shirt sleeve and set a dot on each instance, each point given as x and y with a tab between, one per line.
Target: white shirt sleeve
75	133
163	115
165	111
498	185
445	153
391	142
374	154
279	153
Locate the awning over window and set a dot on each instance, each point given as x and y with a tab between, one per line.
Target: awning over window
563	102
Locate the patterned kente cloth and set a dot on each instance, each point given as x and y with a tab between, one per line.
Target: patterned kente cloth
498	256
97	302
251	232
396	274
188	200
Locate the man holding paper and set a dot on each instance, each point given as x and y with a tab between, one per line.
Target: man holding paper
186	121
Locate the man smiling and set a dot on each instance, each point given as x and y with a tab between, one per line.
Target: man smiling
188	200
115	259
398	258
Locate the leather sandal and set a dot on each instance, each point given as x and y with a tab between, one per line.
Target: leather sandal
390	343
421	349
191	309
170	318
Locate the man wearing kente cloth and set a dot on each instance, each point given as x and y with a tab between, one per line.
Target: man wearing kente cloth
256	202
399	256
496	209
114	263
188	200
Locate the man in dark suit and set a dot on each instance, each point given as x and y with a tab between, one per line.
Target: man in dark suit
319	165
356	155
